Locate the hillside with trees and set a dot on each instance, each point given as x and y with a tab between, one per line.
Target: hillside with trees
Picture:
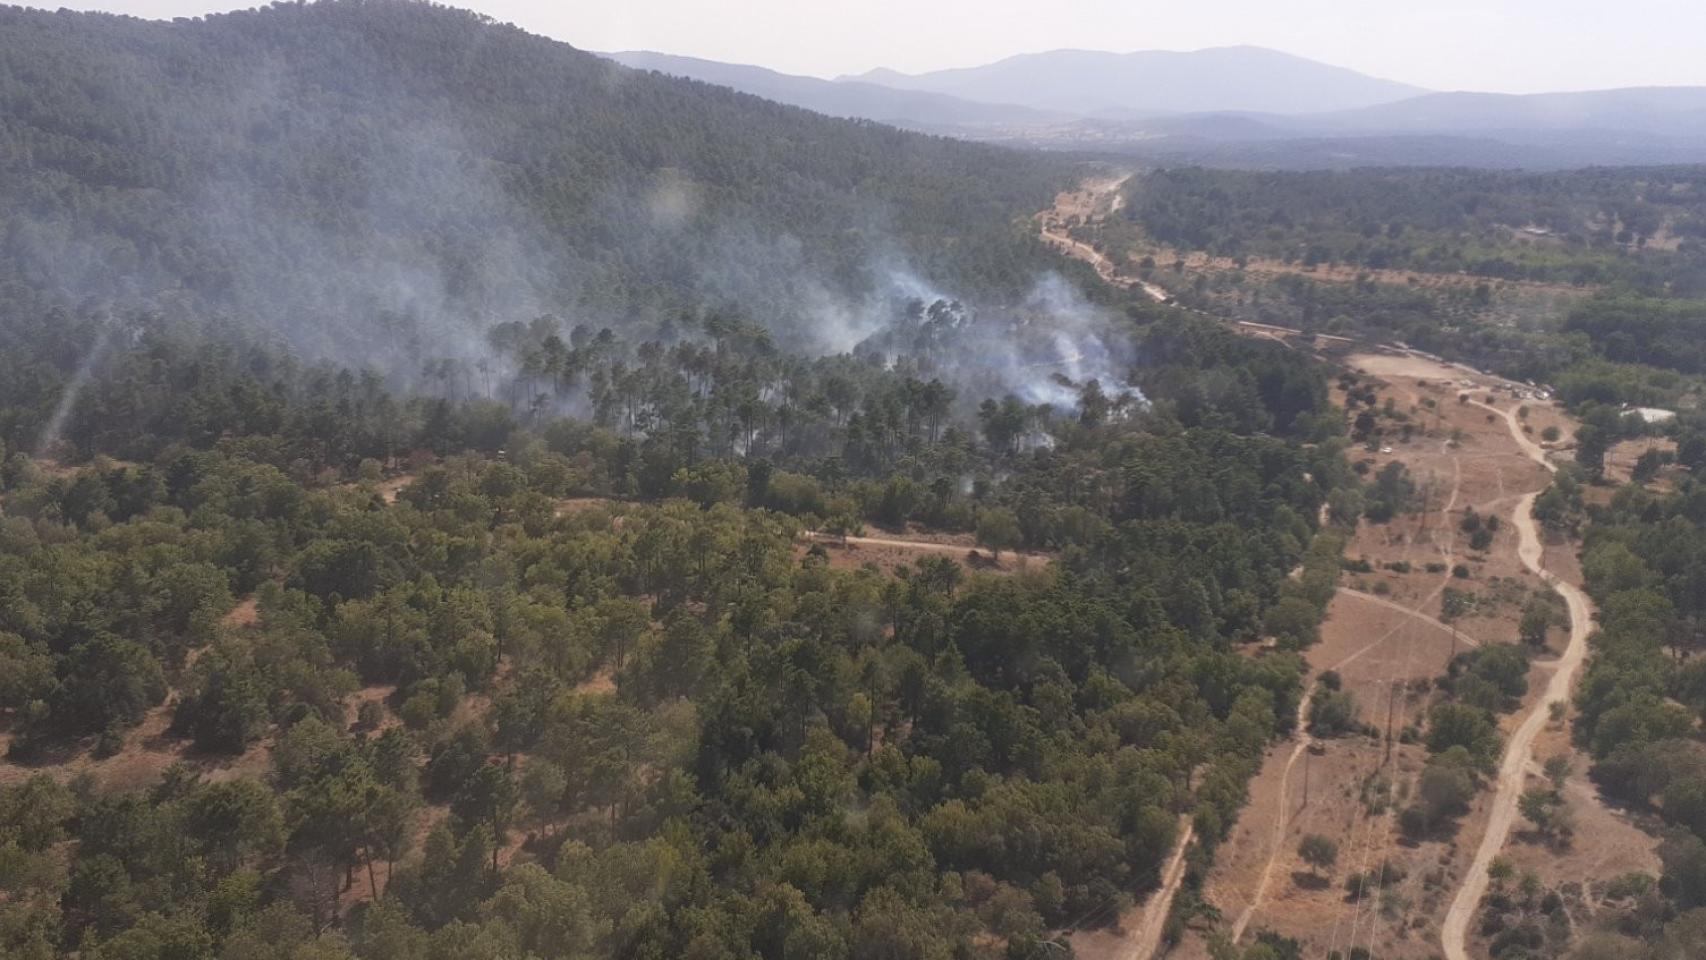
435	172
409	429
1594	226
654	727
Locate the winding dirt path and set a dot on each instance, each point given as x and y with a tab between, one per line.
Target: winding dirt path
1282	821
919	546
1147	939
1519	753
1461	637
1089	203
1104	267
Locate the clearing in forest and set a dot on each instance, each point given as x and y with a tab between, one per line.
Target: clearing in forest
1386	638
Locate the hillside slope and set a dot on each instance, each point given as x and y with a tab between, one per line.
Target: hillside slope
367	174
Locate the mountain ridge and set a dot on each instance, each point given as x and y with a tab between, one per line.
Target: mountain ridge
1649	109
1621	126
1156	81
434	170
836	98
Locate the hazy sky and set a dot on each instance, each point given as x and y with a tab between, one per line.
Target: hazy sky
1516	46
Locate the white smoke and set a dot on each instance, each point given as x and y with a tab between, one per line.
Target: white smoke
49	436
363	276
1047	349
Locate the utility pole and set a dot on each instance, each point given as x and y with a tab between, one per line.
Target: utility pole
1391	706
1306	755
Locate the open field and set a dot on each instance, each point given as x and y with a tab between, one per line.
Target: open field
1385	638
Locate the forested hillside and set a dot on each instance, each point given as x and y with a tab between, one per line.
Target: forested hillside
1644	227
428	456
373	176
495	719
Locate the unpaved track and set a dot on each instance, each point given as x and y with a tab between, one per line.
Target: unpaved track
1530	449
1519	753
1104	267
918	546
1462	638
1100	193
1282	819
1147	938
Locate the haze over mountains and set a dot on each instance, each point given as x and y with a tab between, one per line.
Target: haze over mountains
1241	106
1096	83
843	98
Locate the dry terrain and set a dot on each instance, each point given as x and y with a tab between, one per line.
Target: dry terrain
1519	767
149	748
1137	933
1089	204
1385	637
889	550
1620	459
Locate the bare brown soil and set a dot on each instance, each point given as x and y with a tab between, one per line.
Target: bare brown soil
600	684
391	486
244	615
1605	841
1518	760
572	505
889	552
1091	203
1385	638
1620	460
147	751
1137	934
381	694
1095	198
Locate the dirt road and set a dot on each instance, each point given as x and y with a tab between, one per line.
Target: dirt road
1105	268
1530	449
1305	740
1282	822
1096	199
1138	933
1461	637
1147	939
919	546
1519	753
1399	361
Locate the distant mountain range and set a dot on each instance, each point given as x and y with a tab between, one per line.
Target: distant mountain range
1239	106
1662	110
1094	83
844	98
